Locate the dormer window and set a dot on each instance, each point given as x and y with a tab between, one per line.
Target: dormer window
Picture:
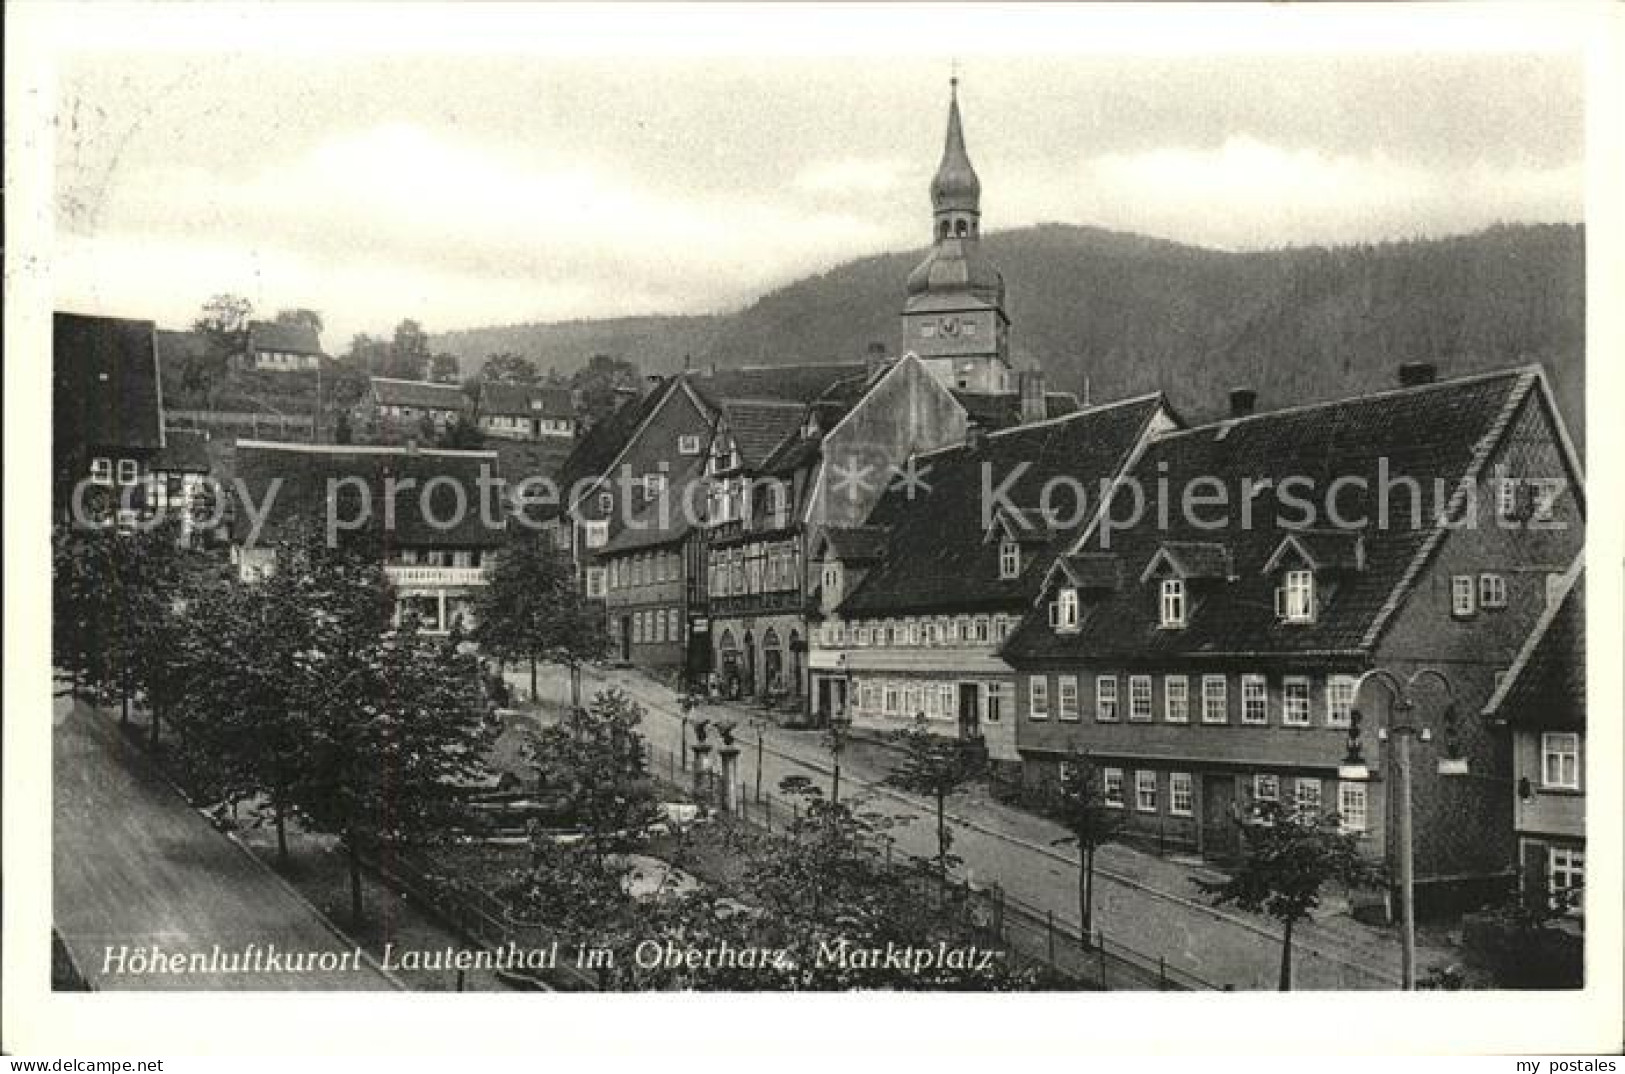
1009	559
1295	600
1064	612
688	444
832	579
1173	603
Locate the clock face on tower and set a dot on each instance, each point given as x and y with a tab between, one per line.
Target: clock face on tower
949	326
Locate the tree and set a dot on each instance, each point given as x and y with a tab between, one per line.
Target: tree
509	368
304	318
342	432
461	433
443	368
408	352
1290	856
594	760
597	382
397	729
1079	805
532	609
937	766
224	314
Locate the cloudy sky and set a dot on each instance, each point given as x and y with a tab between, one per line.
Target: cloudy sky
479	185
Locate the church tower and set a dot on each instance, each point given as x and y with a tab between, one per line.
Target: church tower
953	318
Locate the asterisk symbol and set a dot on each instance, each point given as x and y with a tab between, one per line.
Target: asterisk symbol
852	478
910	478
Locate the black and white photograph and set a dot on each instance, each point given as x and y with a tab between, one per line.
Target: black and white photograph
642	501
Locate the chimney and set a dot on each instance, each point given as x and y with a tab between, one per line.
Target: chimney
975	436
1413	374
1242	402
1030	386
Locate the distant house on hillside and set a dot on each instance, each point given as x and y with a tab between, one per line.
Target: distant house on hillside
403	404
526	411
106	406
281	348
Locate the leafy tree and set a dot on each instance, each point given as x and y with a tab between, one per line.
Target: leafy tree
597	382
367	355
80	567
397	728
462	433
1079	804
342	432
509	368
408	352
1290	856
595	761
532	609
443	368
224	314
937	766
304	318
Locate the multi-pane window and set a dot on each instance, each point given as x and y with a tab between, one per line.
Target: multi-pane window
674	624
1038	697
1214	702
1565	870
1463	590
1001	627
1067	687
1351	806
688	444
1295	701
1181	800
596	533
1173	602
1111	787
1145	791
1298	597
1009	559
1106	697
606	502
101	470
1266	787
1306	796
893	698
128	471
1066	609
1339	700
1492	591
998	696
1544	494
1506	497
595	582
1176	698
981	629
911	694
1560	761
1139	697
930	633
1254	699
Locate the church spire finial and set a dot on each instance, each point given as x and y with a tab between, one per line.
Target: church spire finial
955	187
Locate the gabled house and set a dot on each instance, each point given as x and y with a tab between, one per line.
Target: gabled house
1204	639
652	572
106	415
180	481
526	411
281	348
420	509
1541	702
408	406
912	622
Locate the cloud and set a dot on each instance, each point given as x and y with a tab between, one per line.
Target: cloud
451	224
1248	193
852	176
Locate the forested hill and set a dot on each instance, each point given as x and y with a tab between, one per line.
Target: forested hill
1130	314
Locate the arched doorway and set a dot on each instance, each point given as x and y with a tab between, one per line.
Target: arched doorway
729	664
796	649
773	664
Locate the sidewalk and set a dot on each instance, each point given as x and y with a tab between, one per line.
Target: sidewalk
1148	901
137	869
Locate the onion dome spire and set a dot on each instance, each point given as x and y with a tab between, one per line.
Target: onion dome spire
955	187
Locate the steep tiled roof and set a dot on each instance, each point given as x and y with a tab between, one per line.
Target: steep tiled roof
855	544
306	470
760	426
597	448
938	557
789	383
104	383
1439	431
1546	686
661	521
275	336
419	393
519	459
515	400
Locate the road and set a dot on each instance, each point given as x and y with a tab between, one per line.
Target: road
1142	901
136	868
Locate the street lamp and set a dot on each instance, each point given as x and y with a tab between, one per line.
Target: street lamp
839	723
1402	727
